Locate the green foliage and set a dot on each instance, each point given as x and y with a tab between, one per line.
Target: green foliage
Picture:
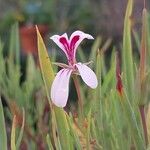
3	138
17	93
13	134
111	119
127	57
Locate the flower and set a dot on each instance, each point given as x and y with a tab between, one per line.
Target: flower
60	85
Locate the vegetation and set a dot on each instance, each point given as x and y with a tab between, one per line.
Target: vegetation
115	116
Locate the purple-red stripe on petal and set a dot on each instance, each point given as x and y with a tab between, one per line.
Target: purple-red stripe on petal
65	43
74	40
69	46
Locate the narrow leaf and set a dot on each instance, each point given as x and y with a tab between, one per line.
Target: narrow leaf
14	48
143	46
63	128
3	137
48	140
45	63
127	51
21	131
88	131
75	133
13	134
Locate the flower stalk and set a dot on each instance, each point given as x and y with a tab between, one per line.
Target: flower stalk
77	86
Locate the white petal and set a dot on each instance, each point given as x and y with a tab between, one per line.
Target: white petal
60	88
87	75
82	36
56	39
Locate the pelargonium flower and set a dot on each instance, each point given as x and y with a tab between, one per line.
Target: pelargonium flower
60	85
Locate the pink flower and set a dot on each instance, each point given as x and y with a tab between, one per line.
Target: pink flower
60	85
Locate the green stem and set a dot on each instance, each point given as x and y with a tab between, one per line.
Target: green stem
77	86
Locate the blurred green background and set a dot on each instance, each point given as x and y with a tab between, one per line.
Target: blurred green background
21	86
103	17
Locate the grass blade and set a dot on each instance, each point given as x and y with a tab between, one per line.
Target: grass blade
45	63
127	51
21	131
75	133
3	137
143	50
14	47
13	134
49	142
142	75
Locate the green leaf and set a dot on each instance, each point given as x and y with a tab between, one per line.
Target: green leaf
143	49
48	140
99	77
143	78
45	63
21	131
88	130
133	122
13	134
3	137
14	48
128	72
109	78
2	62
63	128
136	39
74	131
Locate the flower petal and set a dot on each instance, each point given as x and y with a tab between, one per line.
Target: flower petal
87	75
60	88
76	38
62	42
